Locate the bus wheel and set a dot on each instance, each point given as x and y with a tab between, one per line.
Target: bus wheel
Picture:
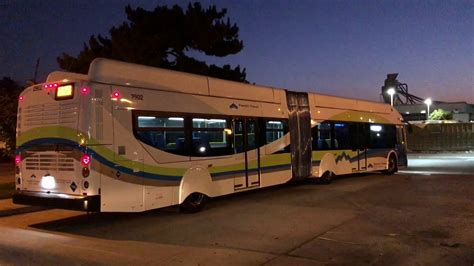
392	166
326	178
194	203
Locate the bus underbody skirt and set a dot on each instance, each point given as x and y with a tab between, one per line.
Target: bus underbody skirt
62	201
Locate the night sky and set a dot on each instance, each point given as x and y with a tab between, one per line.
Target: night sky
336	47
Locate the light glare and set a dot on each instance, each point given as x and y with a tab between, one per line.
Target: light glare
391	91
17	159
85	90
85	160
48	182
375	128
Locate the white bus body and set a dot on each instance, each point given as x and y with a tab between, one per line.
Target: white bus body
131	138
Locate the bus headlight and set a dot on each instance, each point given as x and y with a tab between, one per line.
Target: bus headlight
48	182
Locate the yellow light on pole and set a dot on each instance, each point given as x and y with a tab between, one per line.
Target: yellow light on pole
428	103
391	92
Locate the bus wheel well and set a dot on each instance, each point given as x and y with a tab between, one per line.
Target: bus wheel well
326	178
392	164
194	202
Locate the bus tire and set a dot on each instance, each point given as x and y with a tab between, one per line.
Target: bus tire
195	202
326	178
392	165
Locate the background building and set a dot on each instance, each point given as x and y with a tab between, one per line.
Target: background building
461	111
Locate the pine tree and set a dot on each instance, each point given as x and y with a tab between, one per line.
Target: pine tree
9	93
164	37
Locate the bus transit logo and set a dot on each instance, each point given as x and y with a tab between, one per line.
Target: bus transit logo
233	106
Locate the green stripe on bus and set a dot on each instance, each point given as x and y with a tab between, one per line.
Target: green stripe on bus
357	116
106	153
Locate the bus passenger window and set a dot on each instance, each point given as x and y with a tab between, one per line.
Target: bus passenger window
322	136
274	130
342	136
391	136
164	133
251	134
238	127
382	136
211	137
160	122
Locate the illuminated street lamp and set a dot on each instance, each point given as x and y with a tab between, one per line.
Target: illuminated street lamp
391	92
428	103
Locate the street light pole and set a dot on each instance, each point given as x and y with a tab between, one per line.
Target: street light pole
428	103
391	92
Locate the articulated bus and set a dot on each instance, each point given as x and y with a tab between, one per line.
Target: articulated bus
131	138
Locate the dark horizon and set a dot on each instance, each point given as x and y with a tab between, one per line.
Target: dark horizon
343	48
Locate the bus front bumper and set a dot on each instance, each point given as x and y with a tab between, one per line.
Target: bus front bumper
61	201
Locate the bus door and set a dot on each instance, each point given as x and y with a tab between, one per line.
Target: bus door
359	143
246	146
401	146
300	134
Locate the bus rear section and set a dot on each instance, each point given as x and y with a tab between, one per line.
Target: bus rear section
53	164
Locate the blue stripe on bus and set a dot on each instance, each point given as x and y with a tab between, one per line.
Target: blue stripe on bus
97	157
122	169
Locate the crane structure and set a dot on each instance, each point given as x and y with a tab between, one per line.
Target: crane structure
401	95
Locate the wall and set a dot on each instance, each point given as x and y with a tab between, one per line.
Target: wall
441	137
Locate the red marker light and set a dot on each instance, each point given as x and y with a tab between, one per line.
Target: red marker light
85	160
85	90
115	95
45	86
21	98
17	159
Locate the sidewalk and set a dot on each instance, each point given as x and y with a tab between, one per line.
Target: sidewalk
7	208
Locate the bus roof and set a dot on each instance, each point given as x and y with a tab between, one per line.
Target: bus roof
329	101
127	74
110	71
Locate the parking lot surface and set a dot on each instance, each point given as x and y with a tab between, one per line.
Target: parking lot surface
422	215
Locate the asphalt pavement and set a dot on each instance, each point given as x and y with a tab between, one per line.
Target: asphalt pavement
423	215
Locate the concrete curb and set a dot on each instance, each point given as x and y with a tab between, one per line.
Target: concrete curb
23	210
7	208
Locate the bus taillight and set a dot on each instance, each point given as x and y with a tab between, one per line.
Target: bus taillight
17	159
85	160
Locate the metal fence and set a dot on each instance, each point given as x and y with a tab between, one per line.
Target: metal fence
441	137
